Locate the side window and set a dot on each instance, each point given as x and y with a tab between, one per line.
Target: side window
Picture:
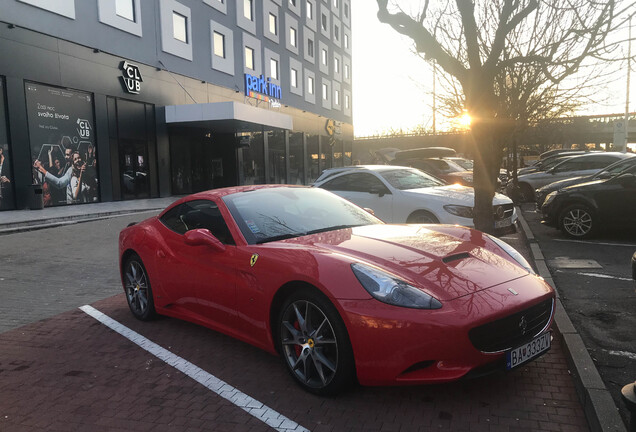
601	162
368	183
566	166
342	183
195	215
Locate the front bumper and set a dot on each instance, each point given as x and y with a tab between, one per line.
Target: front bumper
394	345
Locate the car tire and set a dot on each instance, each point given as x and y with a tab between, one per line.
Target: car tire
577	221
137	289
422	217
314	344
526	193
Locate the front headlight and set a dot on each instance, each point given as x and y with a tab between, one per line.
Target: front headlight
391	290
551	196
513	253
459	210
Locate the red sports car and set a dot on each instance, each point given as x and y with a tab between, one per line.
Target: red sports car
337	293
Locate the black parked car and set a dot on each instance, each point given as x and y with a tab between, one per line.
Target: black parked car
582	210
614	169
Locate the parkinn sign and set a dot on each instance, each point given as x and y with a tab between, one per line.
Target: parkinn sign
263	89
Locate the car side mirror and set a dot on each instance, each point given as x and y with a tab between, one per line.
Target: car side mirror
369	210
379	190
203	237
627	179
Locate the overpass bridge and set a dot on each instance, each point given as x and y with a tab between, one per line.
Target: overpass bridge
593	132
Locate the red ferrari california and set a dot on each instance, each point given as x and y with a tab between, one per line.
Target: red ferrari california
337	293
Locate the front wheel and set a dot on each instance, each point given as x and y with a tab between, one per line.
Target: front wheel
314	344
577	221
422	217
138	290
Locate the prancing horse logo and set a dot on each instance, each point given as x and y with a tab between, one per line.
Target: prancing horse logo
253	260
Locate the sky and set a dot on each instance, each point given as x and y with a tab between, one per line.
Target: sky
392	87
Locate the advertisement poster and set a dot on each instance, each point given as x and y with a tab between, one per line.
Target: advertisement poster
6	175
62	141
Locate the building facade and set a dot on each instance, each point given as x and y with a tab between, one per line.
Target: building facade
104	100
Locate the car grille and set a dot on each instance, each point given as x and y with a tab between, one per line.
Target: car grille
513	330
503	211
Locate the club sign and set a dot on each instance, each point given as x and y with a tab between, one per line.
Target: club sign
131	77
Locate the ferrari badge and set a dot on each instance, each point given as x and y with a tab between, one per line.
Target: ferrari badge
253	260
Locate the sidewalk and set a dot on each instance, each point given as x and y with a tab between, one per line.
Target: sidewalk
25	220
600	410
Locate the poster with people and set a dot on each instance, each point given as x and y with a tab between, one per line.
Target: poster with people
62	144
6	176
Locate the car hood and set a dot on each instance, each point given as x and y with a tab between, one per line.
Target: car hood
454	194
446	261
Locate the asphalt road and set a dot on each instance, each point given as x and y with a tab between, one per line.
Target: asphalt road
596	287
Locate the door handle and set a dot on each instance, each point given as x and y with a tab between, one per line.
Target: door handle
161	254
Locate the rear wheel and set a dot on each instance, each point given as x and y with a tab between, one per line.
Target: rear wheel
577	221
314	343
422	217
137	289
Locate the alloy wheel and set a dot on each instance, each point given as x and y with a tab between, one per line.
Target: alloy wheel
577	222
136	285
309	343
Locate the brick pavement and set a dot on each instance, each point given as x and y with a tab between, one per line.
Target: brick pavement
70	373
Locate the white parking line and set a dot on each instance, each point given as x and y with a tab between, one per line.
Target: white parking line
246	403
600	275
595	243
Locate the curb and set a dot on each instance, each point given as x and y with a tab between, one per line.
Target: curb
38	224
600	411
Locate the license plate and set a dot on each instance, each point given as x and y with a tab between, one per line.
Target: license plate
503	223
533	349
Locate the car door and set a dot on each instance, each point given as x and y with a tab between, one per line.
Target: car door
204	279
617	199
365	190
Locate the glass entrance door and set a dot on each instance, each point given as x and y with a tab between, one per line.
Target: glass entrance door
134	170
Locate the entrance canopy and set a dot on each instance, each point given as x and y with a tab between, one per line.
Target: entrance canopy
226	117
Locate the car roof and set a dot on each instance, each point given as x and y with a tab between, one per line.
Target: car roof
330	172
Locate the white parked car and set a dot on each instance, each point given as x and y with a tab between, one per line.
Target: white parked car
401	194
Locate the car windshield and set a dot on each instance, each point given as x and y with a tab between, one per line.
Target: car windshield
404	179
467	164
271	214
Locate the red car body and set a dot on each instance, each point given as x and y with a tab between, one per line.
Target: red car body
228	290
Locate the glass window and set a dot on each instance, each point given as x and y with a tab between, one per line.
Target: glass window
273	27
310	47
180	27
276	157
293	2
336	32
219	44
247	9
6	174
323	21
356	182
325	92
293	40
198	214
249	58
336	97
125	9
313	152
294	78
336	3
273	64
252	170
310	85
323	56
405	179
346	41
336	65
346	10
347	103
296	159
310	10
346	71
